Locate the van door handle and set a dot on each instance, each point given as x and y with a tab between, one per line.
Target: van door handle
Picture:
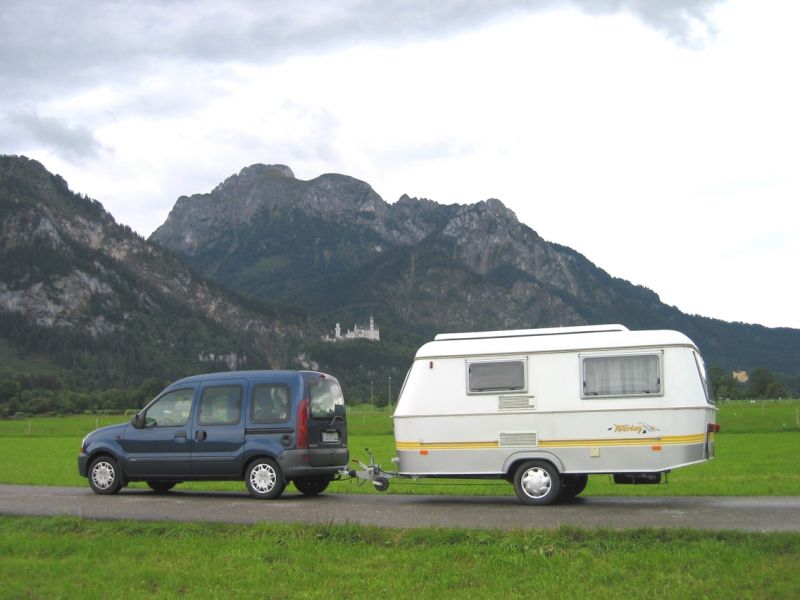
180	437
200	436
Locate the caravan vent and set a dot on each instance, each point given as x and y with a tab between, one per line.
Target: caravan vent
516	403
523	439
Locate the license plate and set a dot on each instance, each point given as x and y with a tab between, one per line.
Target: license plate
330	436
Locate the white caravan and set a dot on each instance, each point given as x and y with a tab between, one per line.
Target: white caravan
544	408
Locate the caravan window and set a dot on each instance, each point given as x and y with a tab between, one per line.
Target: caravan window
496	376
621	375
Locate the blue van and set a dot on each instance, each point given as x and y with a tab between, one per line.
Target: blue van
268	428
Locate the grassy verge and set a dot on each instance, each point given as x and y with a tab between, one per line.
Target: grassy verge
67	557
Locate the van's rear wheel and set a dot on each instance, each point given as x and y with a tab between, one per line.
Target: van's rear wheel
572	485
311	486
264	479
537	482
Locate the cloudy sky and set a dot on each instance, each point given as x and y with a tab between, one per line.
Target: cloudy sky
660	139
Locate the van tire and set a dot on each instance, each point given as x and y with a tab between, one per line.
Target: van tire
105	476
537	482
311	486
264	479
572	485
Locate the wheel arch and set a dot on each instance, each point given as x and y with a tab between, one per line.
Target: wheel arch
257	456
513	462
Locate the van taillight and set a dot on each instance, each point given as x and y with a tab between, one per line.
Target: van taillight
302	424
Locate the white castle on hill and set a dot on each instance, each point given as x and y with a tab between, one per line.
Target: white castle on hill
371	333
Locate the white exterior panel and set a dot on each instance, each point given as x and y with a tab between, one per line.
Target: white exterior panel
443	429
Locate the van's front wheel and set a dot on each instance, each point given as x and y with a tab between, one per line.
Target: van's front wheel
537	482
264	479
105	476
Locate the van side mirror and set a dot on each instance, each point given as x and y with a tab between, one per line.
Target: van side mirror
138	421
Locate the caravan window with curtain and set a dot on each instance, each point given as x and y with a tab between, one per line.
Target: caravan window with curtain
621	375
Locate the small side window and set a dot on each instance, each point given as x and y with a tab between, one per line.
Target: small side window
496	376
621	375
220	405
270	403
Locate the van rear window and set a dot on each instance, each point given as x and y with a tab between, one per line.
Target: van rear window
325	398
500	376
623	375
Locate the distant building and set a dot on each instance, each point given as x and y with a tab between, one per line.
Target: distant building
741	376
366	332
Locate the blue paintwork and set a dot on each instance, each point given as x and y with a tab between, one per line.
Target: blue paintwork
201	452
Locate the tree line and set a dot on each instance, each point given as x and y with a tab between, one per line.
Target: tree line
761	384
359	369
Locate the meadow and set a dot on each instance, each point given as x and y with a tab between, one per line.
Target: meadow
66	557
757	455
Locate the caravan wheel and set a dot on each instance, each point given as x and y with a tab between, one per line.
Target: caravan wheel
572	485
537	482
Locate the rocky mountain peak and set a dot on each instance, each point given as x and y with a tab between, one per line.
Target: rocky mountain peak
70	273
253	175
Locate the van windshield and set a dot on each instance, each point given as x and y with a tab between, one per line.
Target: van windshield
325	399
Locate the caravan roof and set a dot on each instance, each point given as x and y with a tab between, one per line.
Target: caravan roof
558	339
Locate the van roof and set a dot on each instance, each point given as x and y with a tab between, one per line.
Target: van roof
559	339
243	375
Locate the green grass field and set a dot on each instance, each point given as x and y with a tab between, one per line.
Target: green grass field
756	455
67	557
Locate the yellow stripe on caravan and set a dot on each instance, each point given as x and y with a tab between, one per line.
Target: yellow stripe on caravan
445	445
698	438
645	441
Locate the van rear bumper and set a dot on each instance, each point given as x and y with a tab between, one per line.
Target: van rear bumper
313	461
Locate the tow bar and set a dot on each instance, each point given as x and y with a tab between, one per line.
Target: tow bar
369	472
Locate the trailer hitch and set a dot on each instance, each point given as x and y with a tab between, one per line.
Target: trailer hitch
371	473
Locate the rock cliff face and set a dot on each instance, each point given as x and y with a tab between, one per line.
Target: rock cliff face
267	234
89	295
111	303
331	245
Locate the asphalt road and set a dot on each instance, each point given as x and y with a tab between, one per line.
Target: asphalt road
390	510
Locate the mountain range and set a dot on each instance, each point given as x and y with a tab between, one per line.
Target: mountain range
84	293
254	273
333	246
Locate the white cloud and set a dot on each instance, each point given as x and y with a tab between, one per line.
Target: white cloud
664	152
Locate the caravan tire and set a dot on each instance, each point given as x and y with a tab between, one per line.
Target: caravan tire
572	485
537	483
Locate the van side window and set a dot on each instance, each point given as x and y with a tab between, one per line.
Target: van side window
496	376
621	375
220	405
171	410
270	403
